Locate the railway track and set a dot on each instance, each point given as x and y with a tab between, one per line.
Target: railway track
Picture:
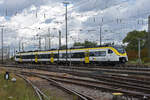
127	85
115	73
80	96
102	85
99	71
39	93
91	67
117	84
112	70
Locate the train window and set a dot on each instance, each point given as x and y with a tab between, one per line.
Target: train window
77	55
32	56
60	55
98	53
48	55
70	55
29	57
40	56
110	51
17	56
63	55
120	49
26	57
23	57
103	53
92	54
81	55
55	55
43	56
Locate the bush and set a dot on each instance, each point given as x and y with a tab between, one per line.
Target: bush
132	54
146	60
144	53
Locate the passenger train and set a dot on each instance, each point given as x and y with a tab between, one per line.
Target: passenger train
97	55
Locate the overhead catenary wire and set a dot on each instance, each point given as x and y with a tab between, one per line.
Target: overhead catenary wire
128	20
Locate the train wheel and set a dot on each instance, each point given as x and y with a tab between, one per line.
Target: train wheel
123	60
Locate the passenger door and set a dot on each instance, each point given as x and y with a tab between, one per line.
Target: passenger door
36	58
87	57
52	57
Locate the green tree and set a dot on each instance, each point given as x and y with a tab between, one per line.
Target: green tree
86	44
90	44
63	47
78	44
132	39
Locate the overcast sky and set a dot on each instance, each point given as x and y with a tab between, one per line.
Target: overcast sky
25	20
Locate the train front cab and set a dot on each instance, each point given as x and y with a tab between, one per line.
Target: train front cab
111	57
117	55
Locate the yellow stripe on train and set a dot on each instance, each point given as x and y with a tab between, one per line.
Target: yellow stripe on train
113	49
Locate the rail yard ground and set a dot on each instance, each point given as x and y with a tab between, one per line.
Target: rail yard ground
135	62
103	83
57	94
74	50
21	90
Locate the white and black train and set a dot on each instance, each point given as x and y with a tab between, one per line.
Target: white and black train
98	55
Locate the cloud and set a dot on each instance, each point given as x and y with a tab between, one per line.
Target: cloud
84	19
90	5
11	7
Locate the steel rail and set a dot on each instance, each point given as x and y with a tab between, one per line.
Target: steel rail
91	67
80	95
103	75
85	74
117	83
126	92
109	70
40	94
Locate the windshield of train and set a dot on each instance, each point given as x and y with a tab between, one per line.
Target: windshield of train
120	49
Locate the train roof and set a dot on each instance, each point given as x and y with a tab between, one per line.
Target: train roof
77	47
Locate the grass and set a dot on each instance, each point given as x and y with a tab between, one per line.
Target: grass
136	62
18	90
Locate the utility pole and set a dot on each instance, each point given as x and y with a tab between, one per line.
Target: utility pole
139	51
148	38
19	45
8	52
39	43
45	42
59	39
59	44
66	4
2	45
49	40
22	46
100	35
14	51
